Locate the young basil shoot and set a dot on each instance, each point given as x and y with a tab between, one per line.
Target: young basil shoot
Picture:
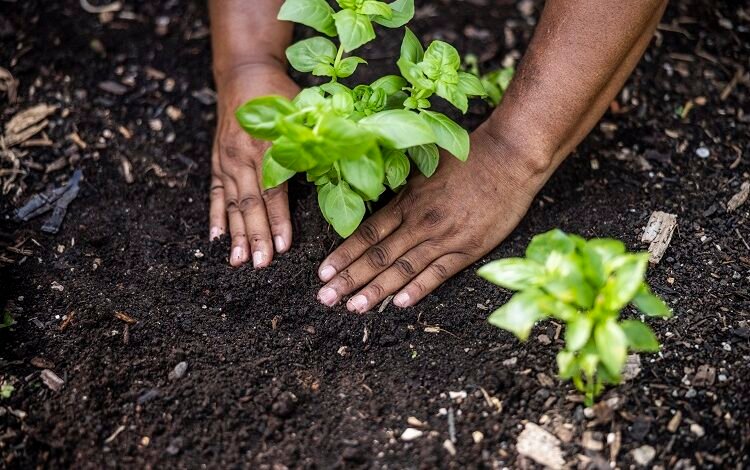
584	284
352	143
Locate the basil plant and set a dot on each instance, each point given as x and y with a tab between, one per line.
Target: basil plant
585	284
353	142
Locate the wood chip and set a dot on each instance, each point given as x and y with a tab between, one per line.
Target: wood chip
674	423
125	317
68	319
42	363
739	198
113	87
540	446
52	380
27	123
658	233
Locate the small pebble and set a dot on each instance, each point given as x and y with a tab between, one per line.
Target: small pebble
410	434
697	429
643	455
450	447
702	152
179	371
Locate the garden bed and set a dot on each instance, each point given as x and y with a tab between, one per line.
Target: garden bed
272	376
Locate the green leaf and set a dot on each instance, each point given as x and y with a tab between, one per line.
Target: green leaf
402	12
578	332
342	103
6	390
354	29
309	97
520	313
390	84
439	58
344	209
399	128
448	134
597	253
346	67
426	157
316	14
365	174
305	55
343	138
612	345
640	337
566	364
324	70
565	279
273	174
411	47
513	273
650	304
453	95
333	88
542	245
624	282
292	155
414	75
396	168
259	116
324	191
372	7
469	84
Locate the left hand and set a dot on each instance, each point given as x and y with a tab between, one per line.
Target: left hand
435	226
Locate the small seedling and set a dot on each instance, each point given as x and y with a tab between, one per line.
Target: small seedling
495	82
584	284
354	142
6	390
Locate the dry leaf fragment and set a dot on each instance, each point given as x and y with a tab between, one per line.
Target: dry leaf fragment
125	317
739	198
25	124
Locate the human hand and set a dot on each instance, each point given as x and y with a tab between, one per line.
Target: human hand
435	226
258	220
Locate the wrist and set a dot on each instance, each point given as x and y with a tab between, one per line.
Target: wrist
517	146
225	71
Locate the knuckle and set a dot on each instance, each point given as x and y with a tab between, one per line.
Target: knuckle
270	194
249	202
347	279
432	217
439	270
405	267
376	290
378	256
232	206
419	288
368	233
238	235
256	238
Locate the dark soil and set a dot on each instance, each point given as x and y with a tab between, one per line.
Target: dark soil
273	378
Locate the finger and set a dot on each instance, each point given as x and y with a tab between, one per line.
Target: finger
369	233
239	253
435	274
389	281
277	206
372	262
253	209
217	215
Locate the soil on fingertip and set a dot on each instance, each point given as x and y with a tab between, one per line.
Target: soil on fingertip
273	378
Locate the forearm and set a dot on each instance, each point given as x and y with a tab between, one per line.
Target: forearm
247	33
579	58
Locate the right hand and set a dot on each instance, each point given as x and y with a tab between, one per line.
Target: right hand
258	220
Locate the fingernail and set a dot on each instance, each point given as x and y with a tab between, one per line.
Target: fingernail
215	233
237	253
279	243
259	259
401	300
357	303
327	296
326	273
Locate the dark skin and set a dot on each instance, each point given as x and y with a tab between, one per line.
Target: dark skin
579	58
